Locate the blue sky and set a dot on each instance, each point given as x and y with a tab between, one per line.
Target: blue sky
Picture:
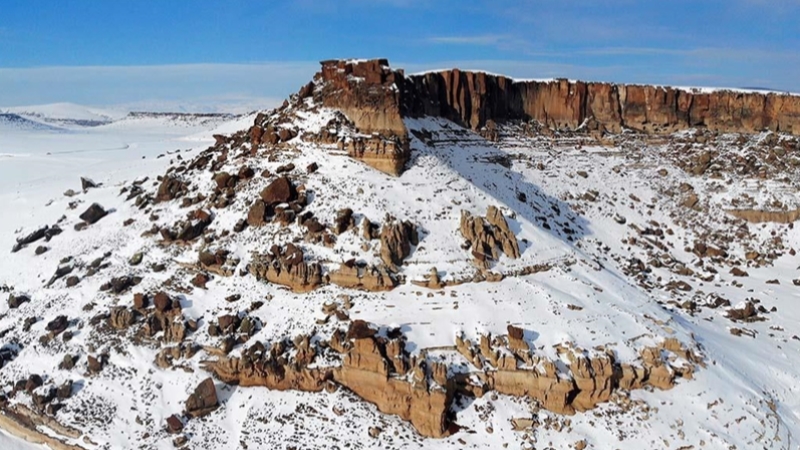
197	52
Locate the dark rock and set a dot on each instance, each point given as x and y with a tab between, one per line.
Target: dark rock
41	400
174	424
162	302
257	214
30	238
87	184
241	224
119	285
96	364
737	272
15	301
26	326
34	381
360	329
121	318
343	221
136	259
73	281
246	172
57	325
279	191
203	400
140	301
224	180
314	226
311	168
68	363
747	313
170	189
200	280
228	322
93	214
65	390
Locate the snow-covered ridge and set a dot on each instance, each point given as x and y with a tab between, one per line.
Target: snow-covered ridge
621	242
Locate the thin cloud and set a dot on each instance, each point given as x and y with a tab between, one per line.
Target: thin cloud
486	39
176	84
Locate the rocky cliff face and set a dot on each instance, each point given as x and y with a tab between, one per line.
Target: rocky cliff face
376	98
474	98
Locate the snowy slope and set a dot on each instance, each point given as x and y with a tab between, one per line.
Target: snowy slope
744	396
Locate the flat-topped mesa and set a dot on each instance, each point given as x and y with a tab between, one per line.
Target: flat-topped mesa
474	98
376	99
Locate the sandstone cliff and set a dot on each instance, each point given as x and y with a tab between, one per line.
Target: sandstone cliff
376	98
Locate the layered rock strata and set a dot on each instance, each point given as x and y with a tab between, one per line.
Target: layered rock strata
376	98
377	368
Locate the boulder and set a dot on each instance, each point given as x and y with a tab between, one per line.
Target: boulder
279	191
87	183
15	301
93	214
257	214
203	400
396	241
162	302
343	221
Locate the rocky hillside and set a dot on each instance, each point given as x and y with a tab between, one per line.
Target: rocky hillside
444	260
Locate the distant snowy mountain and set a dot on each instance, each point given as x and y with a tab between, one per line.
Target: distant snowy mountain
68	114
9	121
72	116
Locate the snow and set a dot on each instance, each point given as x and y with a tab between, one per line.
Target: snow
584	300
69	111
8	442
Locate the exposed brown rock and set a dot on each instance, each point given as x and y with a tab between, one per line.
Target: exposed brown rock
203	400
174	424
343	221
367	93
353	276
759	216
286	266
279	191
432	281
396	241
488	238
257	214
170	189
121	318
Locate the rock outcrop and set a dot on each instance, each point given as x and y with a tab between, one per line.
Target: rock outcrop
286	267
367	92
376	367
376	98
475	98
488	237
396	241
511	368
351	275
203	400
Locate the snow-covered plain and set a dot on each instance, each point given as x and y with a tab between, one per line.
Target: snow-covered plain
746	396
